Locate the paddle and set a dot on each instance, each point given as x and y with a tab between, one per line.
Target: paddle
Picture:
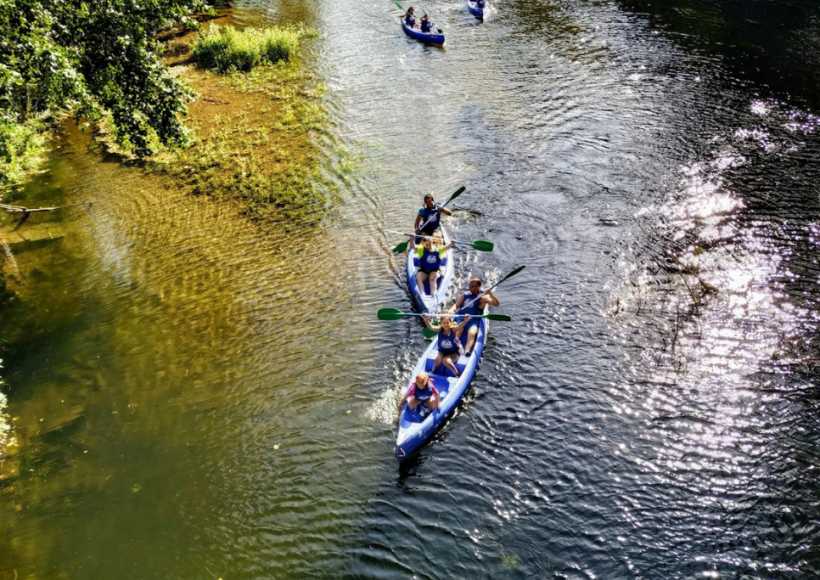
396	314
430	334
480	245
439	30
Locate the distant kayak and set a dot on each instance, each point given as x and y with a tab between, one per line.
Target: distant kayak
414	429
475	10
426	37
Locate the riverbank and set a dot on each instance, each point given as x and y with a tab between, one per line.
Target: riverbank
252	136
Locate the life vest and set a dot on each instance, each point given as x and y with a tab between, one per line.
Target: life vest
430	260
430	219
410	20
447	343
426	25
422	394
469	304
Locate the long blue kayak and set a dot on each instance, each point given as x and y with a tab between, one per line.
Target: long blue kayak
426	37
416	429
472	6
426	302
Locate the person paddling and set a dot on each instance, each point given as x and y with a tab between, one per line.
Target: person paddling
421	393
448	344
409	17
473	302
426	25
430	257
429	216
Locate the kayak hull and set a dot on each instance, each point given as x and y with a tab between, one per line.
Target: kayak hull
475	10
427	38
425	302
414	431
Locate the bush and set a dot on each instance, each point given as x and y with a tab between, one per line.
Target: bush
22	147
229	50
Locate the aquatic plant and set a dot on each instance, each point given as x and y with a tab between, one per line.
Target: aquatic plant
230	50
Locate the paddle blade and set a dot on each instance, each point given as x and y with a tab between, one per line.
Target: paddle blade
399	5
457	192
428	334
498	317
390	314
400	248
482	245
511	274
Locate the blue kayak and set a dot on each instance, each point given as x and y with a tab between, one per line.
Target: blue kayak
427	37
414	429
475	10
425	302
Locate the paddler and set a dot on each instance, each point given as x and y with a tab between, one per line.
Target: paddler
448	345
430	256
426	25
409	17
473	302
421	393
429	216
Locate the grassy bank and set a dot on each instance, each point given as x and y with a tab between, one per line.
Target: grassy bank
252	128
23	148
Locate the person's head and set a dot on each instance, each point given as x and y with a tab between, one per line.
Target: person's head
429	201
475	285
445	322
410	10
427	243
421	380
425	17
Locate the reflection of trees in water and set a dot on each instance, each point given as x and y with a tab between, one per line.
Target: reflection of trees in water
775	44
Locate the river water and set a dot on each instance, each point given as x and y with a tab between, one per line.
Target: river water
195	398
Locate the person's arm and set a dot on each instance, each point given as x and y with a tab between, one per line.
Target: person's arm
443	210
438	398
413	243
462	323
430	325
404	398
457	305
448	246
416	225
491	298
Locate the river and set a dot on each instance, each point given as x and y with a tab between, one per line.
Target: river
194	398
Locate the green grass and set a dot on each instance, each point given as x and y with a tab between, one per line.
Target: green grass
22	151
227	49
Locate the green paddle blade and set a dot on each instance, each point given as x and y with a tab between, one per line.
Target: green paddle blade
482	245
400	248
498	317
390	314
399	5
428	334
511	274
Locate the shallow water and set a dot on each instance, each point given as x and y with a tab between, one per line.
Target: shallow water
198	399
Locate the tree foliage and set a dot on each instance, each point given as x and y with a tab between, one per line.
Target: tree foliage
97	58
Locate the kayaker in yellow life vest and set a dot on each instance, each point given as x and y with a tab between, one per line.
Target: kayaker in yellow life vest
473	303
430	256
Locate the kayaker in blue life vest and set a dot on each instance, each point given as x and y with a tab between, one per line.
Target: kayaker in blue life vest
429	217
448	345
421	392
473	302
430	256
426	25
410	18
